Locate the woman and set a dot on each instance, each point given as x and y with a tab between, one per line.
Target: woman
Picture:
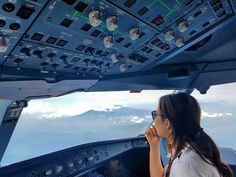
193	152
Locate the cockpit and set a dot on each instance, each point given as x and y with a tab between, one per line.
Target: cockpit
79	79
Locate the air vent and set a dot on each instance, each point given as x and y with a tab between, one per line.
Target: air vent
81	6
182	72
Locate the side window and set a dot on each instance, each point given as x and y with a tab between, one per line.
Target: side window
218	114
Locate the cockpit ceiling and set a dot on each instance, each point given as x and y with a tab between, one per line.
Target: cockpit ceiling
118	45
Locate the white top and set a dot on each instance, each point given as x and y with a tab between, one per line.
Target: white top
190	164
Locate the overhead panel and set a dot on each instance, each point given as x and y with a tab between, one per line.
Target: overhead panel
63	39
15	19
100	39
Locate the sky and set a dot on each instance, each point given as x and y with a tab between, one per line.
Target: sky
78	103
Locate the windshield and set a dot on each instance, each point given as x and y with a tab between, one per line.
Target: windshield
218	114
49	125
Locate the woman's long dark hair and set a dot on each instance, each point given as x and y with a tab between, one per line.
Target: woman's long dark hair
184	114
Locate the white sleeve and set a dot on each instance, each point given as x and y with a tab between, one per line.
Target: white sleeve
183	169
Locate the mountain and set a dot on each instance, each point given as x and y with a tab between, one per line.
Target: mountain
35	136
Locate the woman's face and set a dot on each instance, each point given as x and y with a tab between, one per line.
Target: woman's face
162	125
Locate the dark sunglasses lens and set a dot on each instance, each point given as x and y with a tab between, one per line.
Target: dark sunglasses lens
154	114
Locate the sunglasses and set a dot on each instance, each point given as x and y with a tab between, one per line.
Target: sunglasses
155	114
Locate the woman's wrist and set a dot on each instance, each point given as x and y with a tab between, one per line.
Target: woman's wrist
154	146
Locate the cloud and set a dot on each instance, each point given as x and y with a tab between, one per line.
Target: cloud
136	119
78	103
217	93
215	115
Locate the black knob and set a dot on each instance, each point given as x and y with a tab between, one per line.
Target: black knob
25	51
38	53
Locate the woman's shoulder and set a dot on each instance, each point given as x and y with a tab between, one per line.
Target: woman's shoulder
190	164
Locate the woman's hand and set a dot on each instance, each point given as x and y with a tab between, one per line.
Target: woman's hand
152	136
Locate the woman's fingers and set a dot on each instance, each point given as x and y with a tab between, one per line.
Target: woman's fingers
153	131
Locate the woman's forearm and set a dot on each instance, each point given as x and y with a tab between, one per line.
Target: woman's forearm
156	168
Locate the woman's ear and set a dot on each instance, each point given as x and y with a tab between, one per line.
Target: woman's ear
167	124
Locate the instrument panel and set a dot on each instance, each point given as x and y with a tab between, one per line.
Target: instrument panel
75	161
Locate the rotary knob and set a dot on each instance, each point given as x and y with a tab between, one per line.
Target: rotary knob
183	26
170	35
112	23
108	41
123	68
116	57
59	169
179	42
95	18
134	33
48	173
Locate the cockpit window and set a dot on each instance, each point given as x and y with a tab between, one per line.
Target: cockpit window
218	114
49	125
